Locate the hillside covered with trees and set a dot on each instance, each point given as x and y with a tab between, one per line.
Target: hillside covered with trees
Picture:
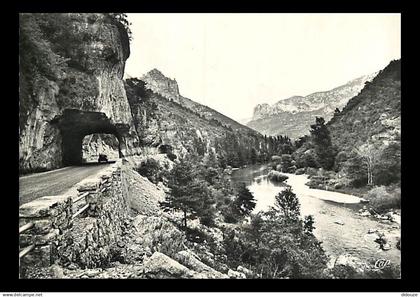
360	146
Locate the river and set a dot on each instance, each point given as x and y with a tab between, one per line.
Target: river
348	236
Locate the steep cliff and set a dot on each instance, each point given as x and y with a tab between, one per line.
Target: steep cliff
70	85
185	125
293	116
160	84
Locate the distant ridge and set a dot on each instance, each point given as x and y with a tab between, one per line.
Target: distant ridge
293	116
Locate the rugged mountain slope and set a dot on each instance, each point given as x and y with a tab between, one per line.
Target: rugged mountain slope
70	85
168	88
374	115
293	116
185	125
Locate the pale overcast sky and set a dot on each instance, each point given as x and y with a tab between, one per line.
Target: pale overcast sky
231	62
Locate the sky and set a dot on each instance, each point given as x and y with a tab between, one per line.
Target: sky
232	62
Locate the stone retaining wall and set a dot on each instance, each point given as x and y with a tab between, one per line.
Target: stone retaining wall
89	240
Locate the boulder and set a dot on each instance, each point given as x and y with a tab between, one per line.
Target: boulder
364	213
89	184
395	218
386	247
274	175
300	171
56	271
331	262
41	207
236	274
350	261
161	266
192	261
245	271
338	222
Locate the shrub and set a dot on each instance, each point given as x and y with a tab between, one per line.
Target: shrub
275	158
229	215
344	272
171	156
388	170
276	176
165	149
150	168
287	164
160	234
244	201
275	248
311	171
381	200
306	159
300	171
292	169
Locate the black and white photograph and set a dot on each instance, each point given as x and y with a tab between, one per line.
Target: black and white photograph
209	146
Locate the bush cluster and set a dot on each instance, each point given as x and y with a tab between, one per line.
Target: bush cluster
276	176
151	169
381	200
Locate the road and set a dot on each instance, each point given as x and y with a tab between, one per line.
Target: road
55	182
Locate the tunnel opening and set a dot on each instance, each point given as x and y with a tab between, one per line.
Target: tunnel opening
75	124
99	144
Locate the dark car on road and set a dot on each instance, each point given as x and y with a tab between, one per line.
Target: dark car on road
102	158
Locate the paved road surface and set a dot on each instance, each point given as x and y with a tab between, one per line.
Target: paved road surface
54	182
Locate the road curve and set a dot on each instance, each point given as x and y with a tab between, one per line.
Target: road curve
54	182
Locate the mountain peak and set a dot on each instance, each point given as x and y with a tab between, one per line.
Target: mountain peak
159	83
292	116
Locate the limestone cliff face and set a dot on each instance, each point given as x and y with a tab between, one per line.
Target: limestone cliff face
162	85
71	69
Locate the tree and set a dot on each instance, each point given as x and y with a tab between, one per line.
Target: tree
188	194
308	224
355	169
123	20
301	141
151	169
288	204
286	163
254	156
340	159
322	143
370	155
388	169
244	202
275	247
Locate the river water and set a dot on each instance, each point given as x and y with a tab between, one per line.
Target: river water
348	236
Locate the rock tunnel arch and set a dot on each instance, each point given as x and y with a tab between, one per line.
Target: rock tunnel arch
93	145
74	125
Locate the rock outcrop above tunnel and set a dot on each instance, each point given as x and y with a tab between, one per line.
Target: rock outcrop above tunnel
69	61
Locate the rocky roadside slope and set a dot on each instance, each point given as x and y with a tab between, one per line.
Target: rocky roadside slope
154	246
